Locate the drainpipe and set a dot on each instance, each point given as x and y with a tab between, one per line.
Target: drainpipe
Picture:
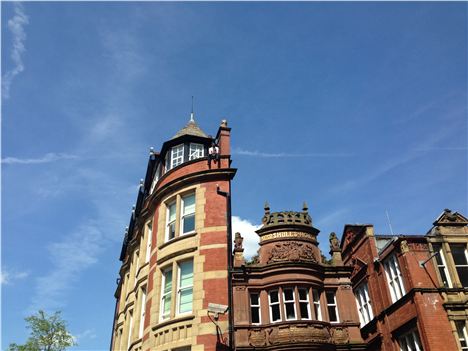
227	195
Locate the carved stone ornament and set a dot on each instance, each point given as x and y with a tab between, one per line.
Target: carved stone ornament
340	335
257	337
404	246
238	240
292	251
334	242
286	334
286	217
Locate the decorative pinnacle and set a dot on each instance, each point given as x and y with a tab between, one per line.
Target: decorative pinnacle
224	123
151	150
192	115
141	182
267	207
305	208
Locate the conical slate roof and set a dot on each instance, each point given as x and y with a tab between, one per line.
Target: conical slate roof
191	128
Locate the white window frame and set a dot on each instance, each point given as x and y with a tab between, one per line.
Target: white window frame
130	329
168	221
438	248
316	300
394	278
142	312
364	304
293	301
332	305
137	265
459	265
257	306
180	288
274	304
462	334
155	178
177	156
196	151
149	240
410	342
307	301
183	214
165	272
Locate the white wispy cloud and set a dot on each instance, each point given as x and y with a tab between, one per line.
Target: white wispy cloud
9	276
70	256
247	230
16	26
49	157
87	334
255	153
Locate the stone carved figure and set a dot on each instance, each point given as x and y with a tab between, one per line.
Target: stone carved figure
257	337
292	251
334	242
238	240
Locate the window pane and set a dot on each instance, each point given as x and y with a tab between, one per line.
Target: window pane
463	275
288	294
255	315
458	252
186	298
189	204
332	314
186	274
171	231
274	296
290	313
167	305
303	294
275	312
254	299
167	281
330	297
172	212
189	223
304	310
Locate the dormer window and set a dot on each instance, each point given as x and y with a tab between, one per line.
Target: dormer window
177	156
196	151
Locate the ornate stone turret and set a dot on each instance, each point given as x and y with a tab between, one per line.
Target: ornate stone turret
288	236
335	250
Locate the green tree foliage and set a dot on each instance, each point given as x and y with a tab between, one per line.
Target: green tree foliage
48	333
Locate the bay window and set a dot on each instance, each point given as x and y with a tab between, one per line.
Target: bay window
171	221
177	156
188	214
149	233
461	262
364	304
196	151
142	311
304	306
410	342
166	293
462	335
318	312
289	304
185	287
275	314
255	308
331	306
442	265
394	278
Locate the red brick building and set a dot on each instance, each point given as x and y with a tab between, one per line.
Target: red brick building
401	303
182	286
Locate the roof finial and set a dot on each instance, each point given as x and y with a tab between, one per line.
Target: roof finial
192	119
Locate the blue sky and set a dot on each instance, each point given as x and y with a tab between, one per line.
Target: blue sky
356	108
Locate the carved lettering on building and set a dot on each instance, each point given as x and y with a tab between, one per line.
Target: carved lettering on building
288	234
